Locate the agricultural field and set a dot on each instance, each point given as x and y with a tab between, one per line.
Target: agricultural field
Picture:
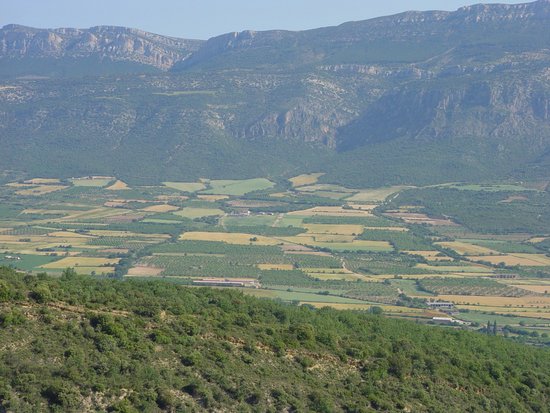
305	179
296	240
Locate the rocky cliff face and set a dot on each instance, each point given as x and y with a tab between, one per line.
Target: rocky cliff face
116	43
475	81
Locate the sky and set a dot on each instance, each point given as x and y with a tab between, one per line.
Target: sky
202	19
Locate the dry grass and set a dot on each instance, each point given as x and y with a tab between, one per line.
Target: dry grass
353	245
94	270
536	240
331	211
230	238
96	181
41	190
115	251
493	301
463	248
541	289
278	267
126	234
430	255
141	270
67	234
81	262
327	274
527	260
416	218
519	312
362	207
375	195
161	208
43	181
331	238
478	269
118	186
305	179
279	194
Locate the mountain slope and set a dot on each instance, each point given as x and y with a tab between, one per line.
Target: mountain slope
77	344
459	95
35	51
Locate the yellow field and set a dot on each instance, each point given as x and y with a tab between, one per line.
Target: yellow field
278	267
521	302
114	204
542	289
536	240
312	240
95	213
330	237
305	179
463	248
416	218
144	271
331	211
528	260
279	194
334	229
520	312
43	181
375	195
442	275
167	198
479	269
67	234
161	208
96	270
95	181
81	262
126	234
362	207
117	186
46	211
30	238
230	238
41	190
387	308
327	274
429	255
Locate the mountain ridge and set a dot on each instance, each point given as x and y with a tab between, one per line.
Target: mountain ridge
414	86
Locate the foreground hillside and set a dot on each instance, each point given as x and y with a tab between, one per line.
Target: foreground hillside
75	344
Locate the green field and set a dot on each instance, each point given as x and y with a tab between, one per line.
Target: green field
237	188
190	212
27	262
185	186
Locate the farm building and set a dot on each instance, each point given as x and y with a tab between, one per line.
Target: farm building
444	305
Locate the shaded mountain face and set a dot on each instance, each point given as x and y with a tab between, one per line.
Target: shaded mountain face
469	88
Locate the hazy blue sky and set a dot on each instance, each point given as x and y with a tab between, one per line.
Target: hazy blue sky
201	19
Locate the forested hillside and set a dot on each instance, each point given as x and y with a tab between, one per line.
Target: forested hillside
78	344
415	98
